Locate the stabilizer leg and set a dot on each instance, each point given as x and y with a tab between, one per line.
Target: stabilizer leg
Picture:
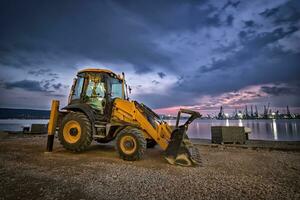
52	124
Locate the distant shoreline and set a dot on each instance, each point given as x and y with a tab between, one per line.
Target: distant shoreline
24	118
33	118
31	114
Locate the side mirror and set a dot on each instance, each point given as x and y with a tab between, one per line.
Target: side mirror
129	88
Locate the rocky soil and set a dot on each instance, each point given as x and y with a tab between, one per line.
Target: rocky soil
27	172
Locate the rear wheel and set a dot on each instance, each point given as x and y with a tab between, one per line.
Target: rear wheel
75	133
130	144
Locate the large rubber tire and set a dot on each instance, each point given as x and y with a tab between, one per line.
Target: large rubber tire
138	148
79	142
151	143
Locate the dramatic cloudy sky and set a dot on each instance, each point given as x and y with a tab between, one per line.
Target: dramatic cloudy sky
194	54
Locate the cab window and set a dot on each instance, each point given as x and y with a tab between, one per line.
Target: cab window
116	88
78	88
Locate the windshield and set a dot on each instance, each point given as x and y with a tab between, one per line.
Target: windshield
95	92
116	88
95	88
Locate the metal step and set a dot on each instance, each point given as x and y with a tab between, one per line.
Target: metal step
99	136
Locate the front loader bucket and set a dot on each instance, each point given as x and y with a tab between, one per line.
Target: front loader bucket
180	150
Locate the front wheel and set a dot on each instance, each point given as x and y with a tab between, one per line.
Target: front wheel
75	133
130	144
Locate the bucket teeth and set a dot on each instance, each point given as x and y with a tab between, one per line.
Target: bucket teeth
186	159
170	160
182	160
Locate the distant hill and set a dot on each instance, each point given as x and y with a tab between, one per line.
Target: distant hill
10	113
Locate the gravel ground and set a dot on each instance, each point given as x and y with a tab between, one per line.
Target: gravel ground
27	172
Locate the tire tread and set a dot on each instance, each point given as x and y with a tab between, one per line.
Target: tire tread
79	146
142	144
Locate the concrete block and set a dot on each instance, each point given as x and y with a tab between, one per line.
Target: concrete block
229	134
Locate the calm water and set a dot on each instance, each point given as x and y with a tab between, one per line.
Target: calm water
18	124
285	130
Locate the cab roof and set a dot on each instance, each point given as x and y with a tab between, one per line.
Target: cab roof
95	70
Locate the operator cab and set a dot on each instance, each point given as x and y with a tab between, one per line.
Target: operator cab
97	88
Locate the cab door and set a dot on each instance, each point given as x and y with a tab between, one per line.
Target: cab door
76	90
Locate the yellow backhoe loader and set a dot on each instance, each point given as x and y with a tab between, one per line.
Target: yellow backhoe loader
99	109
